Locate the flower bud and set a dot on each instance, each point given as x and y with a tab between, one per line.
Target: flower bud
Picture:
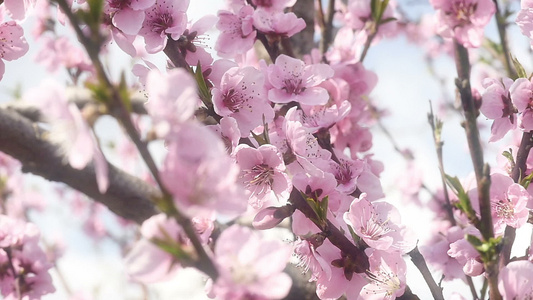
271	216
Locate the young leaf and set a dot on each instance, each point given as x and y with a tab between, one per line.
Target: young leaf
519	68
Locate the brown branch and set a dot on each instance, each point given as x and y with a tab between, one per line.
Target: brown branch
303	41
419	261
481	170
127	196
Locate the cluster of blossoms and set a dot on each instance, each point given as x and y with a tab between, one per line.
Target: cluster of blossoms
23	264
261	139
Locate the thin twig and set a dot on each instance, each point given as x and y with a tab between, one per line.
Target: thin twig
419	261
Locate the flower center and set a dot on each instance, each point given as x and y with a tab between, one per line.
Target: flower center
463	12
344	172
293	86
383	281
263	3
162	22
375	229
260	175
233	101
504	209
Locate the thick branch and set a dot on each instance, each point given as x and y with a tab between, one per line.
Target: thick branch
303	41
127	196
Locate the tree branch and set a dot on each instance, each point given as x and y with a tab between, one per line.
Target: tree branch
127	196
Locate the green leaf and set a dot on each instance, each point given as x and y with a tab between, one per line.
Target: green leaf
509	156
124	92
464	200
387	20
259	138
203	90
519	68
374	9
100	92
474	240
323	205
526	181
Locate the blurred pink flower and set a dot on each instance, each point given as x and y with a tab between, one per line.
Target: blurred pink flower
464	20
250	267
277	23
172	99
128	16
497	105
515	281
207	176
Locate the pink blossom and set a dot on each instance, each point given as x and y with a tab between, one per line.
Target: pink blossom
463	20
197	159
172	99
241	95
193	42
386	276
165	17
24	264
70	130
127	15
466	254
359	17
12	43
262	173
515	280
250	267
277	23
377	223
310	258
17	9
273	5
496	104
508	201
524	20
319	116
346	172
147	262
60	52
302	143
522	96
435	251
229	133
237	34
292	80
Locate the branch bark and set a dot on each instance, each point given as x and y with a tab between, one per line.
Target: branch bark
127	196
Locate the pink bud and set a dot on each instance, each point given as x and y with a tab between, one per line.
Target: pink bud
271	216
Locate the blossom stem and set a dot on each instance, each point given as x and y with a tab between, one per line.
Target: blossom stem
273	52
436	127
326	25
517	174
419	261
333	234
481	170
502	32
172	51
